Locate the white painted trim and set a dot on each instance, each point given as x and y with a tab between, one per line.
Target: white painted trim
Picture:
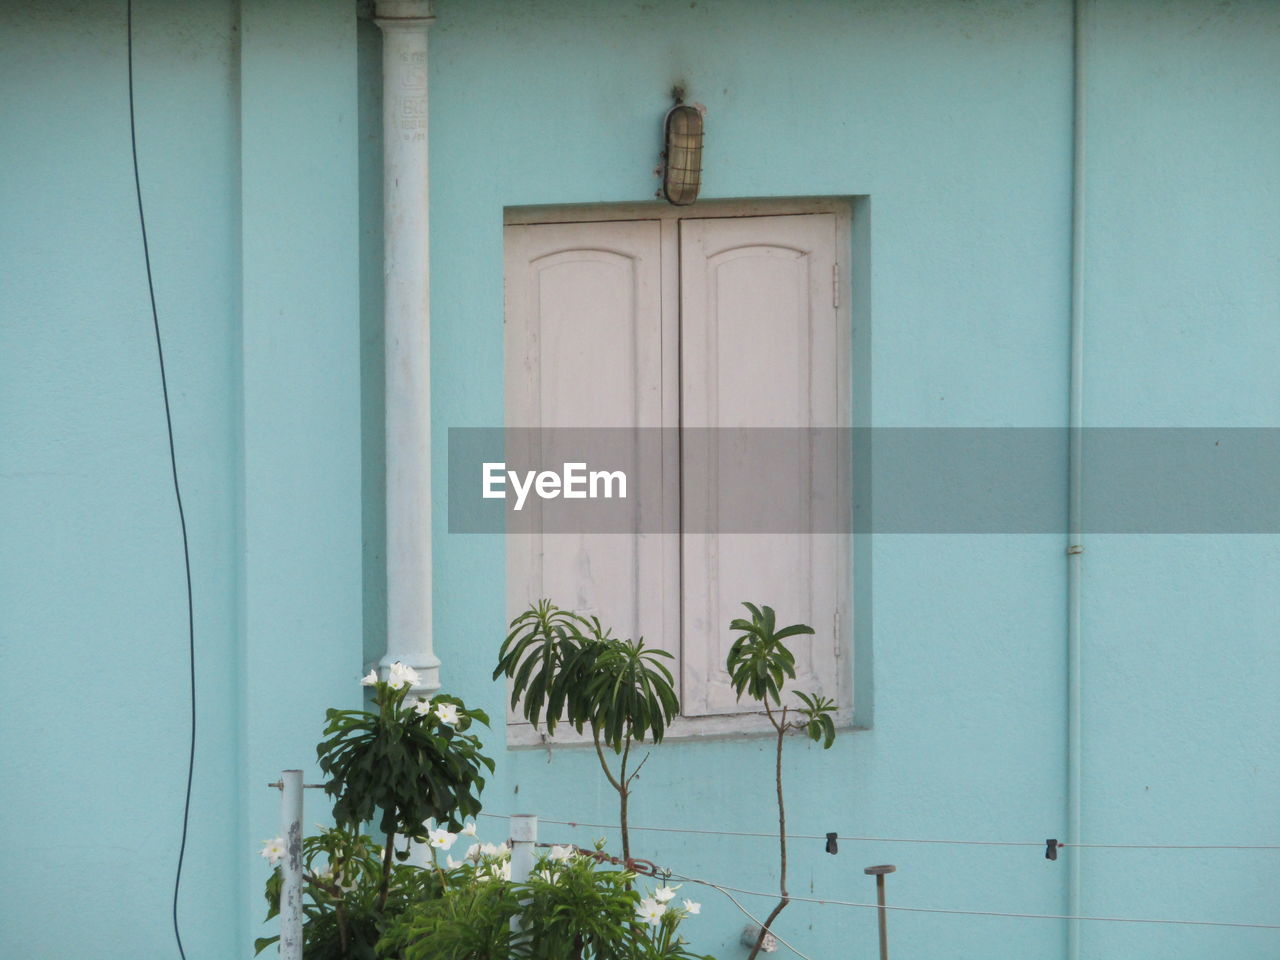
735	725
703	209
408	346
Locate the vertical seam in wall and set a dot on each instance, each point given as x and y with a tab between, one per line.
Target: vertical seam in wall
1075	451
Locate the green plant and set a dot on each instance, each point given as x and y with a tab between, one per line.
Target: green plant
567	667
469	921
759	664
410	763
571	908
342	887
403	765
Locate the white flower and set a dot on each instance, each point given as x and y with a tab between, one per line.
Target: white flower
273	850
692	908
441	839
547	875
447	713
369	679
561	853
650	911
402	676
473	852
451	863
664	894
470	829
496	872
422	707
492	850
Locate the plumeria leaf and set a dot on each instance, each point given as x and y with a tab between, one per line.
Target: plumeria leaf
758	662
567	667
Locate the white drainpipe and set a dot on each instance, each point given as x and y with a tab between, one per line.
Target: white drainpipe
407	326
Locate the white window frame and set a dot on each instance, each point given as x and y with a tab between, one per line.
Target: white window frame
520	733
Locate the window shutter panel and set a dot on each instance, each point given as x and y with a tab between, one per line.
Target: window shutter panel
584	342
759	348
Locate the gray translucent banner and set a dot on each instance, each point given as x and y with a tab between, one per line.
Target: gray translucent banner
872	480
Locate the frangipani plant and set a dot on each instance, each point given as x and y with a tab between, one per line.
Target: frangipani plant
759	665
566	666
412	768
406	764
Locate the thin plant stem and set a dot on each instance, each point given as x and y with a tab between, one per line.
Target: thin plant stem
604	764
387	853
624	793
339	901
344	937
618	783
781	726
637	770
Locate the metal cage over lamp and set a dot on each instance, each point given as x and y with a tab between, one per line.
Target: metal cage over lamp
682	169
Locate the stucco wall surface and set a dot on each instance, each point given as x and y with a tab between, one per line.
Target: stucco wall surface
246	133
258	126
92	597
954	120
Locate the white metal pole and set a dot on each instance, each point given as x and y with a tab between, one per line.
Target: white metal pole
407	327
524	837
291	870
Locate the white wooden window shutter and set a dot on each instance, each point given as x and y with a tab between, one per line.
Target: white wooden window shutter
701	322
584	336
760	348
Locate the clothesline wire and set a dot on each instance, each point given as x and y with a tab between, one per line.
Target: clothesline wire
667	875
975	843
975	913
749	915
727	890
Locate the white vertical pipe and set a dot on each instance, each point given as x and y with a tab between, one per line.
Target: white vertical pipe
291	869
1075	479
524	837
407	325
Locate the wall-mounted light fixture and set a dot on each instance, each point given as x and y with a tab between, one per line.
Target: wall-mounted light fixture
682	153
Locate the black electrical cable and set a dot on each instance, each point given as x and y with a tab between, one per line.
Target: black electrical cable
177	487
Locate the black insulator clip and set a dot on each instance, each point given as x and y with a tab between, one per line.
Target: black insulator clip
832	846
1051	849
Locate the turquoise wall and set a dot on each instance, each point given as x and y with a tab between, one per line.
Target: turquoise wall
247	135
954	119
93	644
258	126
1182	653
